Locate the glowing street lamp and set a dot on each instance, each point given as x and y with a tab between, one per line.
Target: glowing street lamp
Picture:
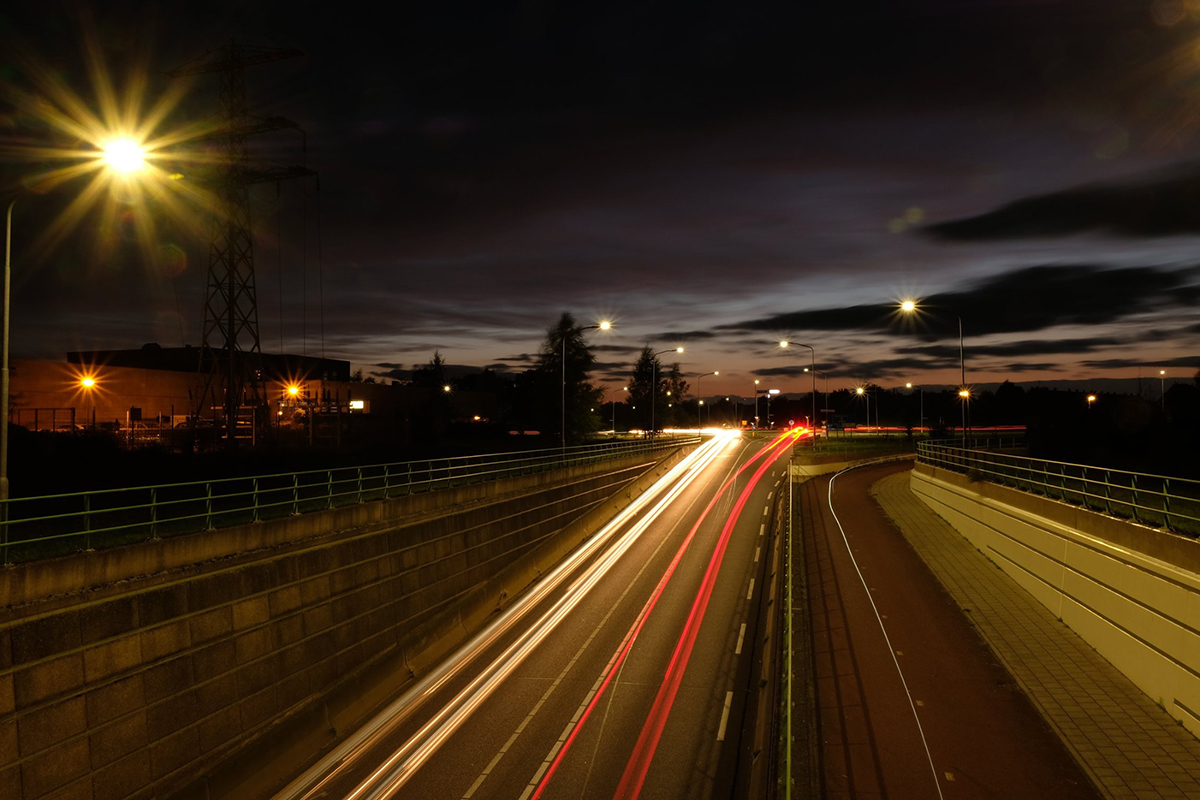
124	155
700	400
654	383
812	353
1162	382
862	392
921	421
910	307
121	159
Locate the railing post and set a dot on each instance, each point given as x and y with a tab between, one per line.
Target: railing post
360	486
153	513
1108	492
1166	495
1134	506
208	515
295	493
387	481
87	522
329	489
255	517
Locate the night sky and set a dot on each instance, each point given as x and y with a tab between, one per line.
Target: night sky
715	175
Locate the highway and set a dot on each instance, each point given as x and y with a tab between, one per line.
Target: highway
625	672
911	703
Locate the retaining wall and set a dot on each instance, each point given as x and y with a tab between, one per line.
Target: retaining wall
1131	591
136	671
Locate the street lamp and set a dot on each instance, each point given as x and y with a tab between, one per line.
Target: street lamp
1162	373
700	400
824	375
603	325
769	393
862	392
910	307
921	421
756	404
785	343
88	383
654	383
121	156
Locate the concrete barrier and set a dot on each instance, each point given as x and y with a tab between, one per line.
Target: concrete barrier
134	672
1132	592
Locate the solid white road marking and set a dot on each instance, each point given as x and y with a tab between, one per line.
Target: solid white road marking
724	716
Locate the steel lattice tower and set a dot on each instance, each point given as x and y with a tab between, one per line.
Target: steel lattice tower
231	354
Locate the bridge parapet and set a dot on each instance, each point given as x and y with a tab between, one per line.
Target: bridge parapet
1130	590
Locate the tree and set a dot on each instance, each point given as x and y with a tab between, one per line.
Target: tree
432	375
646	371
639	387
566	394
674	389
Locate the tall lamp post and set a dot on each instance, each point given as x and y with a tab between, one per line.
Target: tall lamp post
921	420
1162	373
862	392
756	404
654	383
964	391
824	375
700	399
603	325
121	156
785	343
614	411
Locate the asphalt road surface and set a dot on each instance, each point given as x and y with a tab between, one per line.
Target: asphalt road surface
625	673
911	703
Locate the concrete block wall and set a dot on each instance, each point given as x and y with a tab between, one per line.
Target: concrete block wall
133	673
1132	592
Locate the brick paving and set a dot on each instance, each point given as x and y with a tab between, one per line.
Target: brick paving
1129	746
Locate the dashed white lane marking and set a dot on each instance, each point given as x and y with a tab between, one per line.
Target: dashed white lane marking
762	529
756	552
771	493
724	717
750	591
737	651
766	510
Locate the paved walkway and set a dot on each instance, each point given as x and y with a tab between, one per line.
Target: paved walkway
1129	746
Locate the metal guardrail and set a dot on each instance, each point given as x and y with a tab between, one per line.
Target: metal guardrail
1156	500
51	525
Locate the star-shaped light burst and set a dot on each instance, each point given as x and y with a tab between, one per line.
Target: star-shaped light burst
118	140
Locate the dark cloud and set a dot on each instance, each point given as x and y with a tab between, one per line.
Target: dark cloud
1031	347
1162	204
1186	362
1022	301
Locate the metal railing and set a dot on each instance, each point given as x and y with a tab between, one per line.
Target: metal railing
1156	500
51	525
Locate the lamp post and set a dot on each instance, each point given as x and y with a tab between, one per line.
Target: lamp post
862	392
756	404
964	392
700	400
824	375
654	383
603	325
1162	373
614	411
921	419
813	353
121	156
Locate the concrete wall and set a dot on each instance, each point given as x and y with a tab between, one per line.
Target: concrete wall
134	672
1131	591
